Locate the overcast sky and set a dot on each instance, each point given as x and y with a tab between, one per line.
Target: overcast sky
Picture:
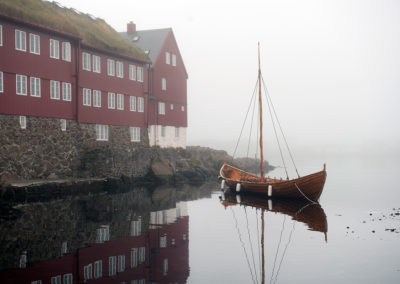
332	67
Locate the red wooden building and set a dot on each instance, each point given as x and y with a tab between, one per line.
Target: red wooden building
168	86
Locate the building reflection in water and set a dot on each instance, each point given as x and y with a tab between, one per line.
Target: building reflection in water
157	254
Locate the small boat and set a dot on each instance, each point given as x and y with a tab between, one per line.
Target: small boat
308	187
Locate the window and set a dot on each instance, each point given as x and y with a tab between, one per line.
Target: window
132	103
165	266
120	69
112	265
35	87
96	98
85	61
173	59
132	72
134	257
64	245
54	90
36	282
66	91
142	254
120	101
22	121
66	51
34	43
1	82
163	242
87	272
20	40
87	94
56	279
67	278
182	108
98	269
101	132
167	58
96	63
163	130
171	106
135	134
163	84
140	74
54	49
63	124
121	263
161	108
176	131
110	67
1	35
140	104
21	85
111	100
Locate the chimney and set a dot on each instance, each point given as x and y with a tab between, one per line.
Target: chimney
130	28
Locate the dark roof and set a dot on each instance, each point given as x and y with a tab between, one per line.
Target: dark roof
148	40
91	30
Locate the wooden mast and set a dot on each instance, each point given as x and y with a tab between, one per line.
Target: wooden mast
260	110
262	247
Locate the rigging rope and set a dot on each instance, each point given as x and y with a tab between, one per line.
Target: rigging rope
280	127
277	249
251	128
241	241
244	122
251	244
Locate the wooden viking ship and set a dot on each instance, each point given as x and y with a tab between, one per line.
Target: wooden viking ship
308	187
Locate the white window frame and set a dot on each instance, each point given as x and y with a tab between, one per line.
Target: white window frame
132	72
139	74
34	43
63	123
87	97
54	90
54	49
66	91
134	133
56	279
140	104
102	132
111	100
171	106
120	101
142	254
174	60
134	257
112	265
167	58
110	67
1	82
121	263
176	131
182	108
68	278
119	69
163	84
35	87
98	269
96	64
132	103
96	98
21	85
87	272
20	40
1	35
22	121
161	108
86	61
163	241
66	51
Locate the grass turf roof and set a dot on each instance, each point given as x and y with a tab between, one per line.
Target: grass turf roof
92	31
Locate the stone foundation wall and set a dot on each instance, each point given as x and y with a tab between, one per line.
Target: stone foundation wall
44	151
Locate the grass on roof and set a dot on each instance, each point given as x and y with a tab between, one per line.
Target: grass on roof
95	32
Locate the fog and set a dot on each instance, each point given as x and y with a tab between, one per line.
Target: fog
332	67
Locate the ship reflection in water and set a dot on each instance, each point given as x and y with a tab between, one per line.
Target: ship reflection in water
153	249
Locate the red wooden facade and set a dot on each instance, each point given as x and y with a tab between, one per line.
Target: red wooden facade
15	62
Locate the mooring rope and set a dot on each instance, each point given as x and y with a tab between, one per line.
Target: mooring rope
312	201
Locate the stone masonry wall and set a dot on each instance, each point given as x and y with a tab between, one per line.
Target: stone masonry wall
44	151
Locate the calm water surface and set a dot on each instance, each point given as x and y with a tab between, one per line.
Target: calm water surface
196	235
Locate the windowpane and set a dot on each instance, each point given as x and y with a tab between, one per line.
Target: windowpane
111	100
96	64
120	101
20	40
140	74
97	98
54	49
110	67
21	85
132	72
35	87
34	43
1	82
66	51
173	59
86	61
87	94
132	103
167	58
54	90
66	91
140	104
1	35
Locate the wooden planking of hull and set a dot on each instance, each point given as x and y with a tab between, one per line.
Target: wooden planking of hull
307	187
